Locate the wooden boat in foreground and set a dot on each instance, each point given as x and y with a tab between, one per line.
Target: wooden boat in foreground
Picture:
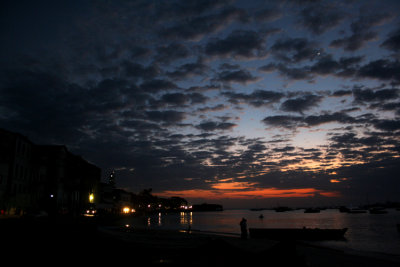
297	233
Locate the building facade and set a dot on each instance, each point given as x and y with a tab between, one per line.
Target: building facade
44	178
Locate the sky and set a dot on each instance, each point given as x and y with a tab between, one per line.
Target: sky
242	103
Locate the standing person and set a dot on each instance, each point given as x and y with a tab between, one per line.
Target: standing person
243	228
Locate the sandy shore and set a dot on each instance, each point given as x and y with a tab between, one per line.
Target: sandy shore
268	252
87	243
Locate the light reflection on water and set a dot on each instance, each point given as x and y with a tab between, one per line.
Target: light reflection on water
366	232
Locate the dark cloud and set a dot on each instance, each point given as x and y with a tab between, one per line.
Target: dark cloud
214	108
361	31
320	18
257	147
355	41
238	44
284	149
283	121
292	122
340	93
140	52
340	117
170	52
188	70
324	64
237	76
344	67
381	69
393	41
140	125
40	100
268	15
393	106
136	70
257	98
157	85
293	73
369	95
295	50
167	116
177	99
301	104
214	126
387	125
190	8
196	27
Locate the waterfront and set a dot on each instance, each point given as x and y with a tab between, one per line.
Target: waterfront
366	232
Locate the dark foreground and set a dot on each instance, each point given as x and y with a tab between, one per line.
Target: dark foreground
86	242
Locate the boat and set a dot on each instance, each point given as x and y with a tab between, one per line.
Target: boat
312	210
297	233
282	209
344	209
357	210
377	210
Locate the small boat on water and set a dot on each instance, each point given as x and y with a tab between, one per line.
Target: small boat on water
282	209
344	209
377	210
312	210
357	210
297	233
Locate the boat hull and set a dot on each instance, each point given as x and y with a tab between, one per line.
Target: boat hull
297	233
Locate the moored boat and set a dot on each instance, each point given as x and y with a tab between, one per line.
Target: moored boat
282	209
297	233
344	209
312	210
377	210
357	210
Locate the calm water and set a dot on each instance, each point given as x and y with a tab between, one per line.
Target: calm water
367	232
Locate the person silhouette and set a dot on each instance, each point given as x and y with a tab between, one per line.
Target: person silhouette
243	228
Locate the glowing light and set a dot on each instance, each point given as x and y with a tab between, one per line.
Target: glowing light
126	210
250	193
233	185
91	197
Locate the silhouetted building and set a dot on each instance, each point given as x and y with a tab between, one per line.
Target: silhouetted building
44	177
18	172
69	182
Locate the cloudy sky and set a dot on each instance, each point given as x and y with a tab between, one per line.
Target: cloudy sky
244	103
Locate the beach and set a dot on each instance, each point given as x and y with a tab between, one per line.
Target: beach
45	242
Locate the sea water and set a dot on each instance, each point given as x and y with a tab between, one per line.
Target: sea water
366	232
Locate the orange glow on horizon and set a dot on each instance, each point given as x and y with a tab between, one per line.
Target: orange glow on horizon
257	193
233	185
